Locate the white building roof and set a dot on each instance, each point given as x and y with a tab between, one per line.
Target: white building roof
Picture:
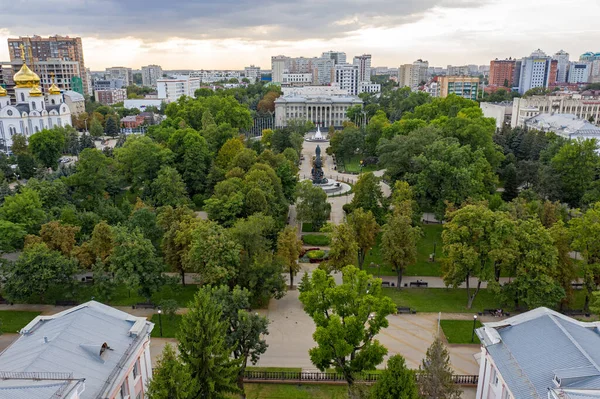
73	95
72	341
565	125
532	349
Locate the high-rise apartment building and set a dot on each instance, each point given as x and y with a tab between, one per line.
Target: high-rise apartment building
346	77
323	70
150	74
412	75
463	86
363	62
338	57
463	70
53	48
502	72
252	73
123	73
589	56
279	65
171	89
562	73
537	70
579	72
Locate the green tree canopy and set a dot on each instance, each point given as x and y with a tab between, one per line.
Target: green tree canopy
47	146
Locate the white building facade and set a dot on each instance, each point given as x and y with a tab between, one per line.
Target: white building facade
501	112
252	72
30	112
297	79
579	72
535	71
562	70
171	89
347	77
363	62
583	107
321	108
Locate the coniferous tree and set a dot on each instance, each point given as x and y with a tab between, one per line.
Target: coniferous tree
170	379
203	348
511	185
396	382
435	374
111	127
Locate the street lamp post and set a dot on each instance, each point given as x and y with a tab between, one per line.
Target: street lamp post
160	321
474	323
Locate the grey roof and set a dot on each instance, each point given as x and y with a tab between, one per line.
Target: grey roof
530	349
22	108
566	125
575	394
67	342
74	96
37	389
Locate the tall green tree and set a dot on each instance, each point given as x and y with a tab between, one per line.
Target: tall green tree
399	243
170	378
11	236
134	262
141	159
204	350
435	374
111	128
348	317
586	240
365	229
344	249
37	270
566	270
246	331
96	129
511	184
395	382
477	242
288	250
369	197
24	209
168	189
312	206
575	164
177	224
47	146
213	253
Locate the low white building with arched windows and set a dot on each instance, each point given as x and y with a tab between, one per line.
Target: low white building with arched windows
29	112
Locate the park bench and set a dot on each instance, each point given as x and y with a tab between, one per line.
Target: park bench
418	284
401	309
576	312
144	305
66	303
577	286
495	312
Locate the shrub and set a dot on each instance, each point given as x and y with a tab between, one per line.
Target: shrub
317	254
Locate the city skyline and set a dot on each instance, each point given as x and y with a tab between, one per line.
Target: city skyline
236	34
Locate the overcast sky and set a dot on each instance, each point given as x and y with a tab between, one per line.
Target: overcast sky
231	34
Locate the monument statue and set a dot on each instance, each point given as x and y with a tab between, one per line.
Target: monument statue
318	177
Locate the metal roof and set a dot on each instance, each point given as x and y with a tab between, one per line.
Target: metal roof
66	342
530	349
17	389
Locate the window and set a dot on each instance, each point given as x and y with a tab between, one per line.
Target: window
124	391
136	369
33	105
494	377
22	97
505	393
9	112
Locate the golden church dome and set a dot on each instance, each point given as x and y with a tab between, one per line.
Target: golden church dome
3	92
26	78
54	89
35	92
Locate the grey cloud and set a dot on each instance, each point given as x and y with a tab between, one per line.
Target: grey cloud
157	20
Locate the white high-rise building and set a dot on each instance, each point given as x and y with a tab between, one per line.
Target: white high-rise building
364	67
252	73
579	72
338	57
171	89
535	71
346	77
150	74
563	66
279	65
123	73
323	69
412	75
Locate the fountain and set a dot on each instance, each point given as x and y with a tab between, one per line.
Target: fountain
318	177
318	137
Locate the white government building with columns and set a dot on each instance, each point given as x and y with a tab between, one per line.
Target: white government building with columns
322	105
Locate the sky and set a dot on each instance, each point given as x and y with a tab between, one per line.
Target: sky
231	34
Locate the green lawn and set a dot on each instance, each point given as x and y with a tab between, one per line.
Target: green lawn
460	331
170	326
294	391
352	165
447	300
13	320
432	234
316	239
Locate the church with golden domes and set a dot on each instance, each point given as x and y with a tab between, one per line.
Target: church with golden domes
30	111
